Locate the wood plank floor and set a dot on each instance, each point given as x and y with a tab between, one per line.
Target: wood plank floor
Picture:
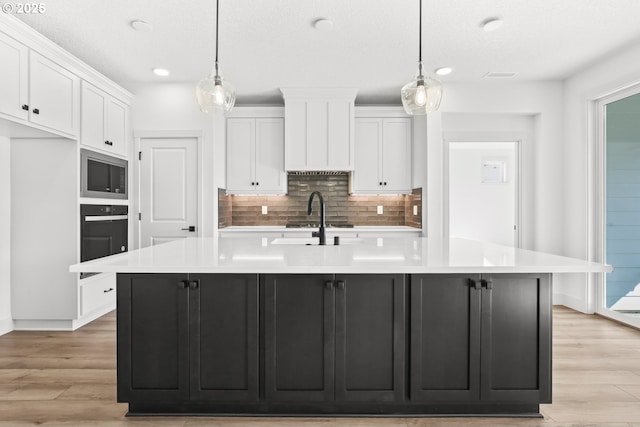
68	379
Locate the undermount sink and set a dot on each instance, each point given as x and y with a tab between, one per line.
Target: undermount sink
314	241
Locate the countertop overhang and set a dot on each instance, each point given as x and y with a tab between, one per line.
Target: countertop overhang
408	255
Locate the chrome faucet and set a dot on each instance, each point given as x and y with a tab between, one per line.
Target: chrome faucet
321	231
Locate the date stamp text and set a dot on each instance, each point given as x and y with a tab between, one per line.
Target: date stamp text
24	8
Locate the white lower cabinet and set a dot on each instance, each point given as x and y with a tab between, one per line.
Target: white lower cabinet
97	293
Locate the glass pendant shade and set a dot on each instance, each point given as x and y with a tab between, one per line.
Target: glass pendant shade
213	93
421	95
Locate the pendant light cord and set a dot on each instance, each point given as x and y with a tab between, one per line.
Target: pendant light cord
217	32
420	37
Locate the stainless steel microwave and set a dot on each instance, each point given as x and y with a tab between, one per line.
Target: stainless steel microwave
102	176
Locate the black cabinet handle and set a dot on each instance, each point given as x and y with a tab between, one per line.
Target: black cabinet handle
328	284
109	143
340	284
257	183
253	183
488	284
385	183
380	183
183	284
107	290
36	111
25	107
194	284
475	283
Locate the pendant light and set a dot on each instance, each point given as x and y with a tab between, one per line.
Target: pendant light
212	92
423	94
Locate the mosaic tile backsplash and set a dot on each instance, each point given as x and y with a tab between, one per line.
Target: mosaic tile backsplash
341	208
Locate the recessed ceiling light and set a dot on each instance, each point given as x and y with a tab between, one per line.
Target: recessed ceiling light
323	24
162	72
142	26
492	24
443	71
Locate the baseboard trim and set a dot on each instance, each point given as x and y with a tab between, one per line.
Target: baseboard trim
60	325
573	303
6	325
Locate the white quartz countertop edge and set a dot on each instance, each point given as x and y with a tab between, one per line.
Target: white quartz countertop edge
398	255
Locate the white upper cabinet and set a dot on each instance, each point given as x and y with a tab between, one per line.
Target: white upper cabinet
104	121
14	78
255	156
53	95
37	90
382	156
319	129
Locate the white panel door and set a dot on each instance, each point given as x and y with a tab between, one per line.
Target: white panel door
396	155
483	191
168	189
54	95
13	77
269	156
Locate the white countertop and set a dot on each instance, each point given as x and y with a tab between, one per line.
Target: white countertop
338	230
369	255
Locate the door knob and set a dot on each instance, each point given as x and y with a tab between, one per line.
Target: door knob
191	228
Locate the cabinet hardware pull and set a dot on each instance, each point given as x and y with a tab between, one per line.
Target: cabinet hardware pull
194	284
110	143
340	284
328	284
25	107
488	284
385	183
380	183
183	284
257	183
36	111
107	290
253	183
475	283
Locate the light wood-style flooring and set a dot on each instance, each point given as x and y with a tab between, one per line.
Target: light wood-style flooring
68	379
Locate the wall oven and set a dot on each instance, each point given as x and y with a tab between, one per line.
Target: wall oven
102	176
103	232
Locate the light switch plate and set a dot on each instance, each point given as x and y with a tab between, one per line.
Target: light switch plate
415	209
265	210
380	210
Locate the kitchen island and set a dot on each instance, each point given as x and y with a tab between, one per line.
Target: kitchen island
376	326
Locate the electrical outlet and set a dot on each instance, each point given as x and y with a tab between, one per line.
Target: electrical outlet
265	210
380	210
415	209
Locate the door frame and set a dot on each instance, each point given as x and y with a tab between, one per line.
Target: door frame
515	137
597	120
134	175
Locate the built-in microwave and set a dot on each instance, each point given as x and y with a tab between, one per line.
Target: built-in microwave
102	176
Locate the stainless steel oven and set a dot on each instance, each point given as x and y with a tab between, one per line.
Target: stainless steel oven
102	176
104	231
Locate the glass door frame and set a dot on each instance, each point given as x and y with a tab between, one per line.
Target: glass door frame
598	244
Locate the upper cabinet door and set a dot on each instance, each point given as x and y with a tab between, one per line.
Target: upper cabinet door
366	175
269	156
116	125
13	77
396	155
240	155
54	96
104	121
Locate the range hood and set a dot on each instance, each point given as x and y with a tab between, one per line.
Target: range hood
319	129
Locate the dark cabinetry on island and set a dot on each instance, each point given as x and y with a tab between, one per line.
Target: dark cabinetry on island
334	344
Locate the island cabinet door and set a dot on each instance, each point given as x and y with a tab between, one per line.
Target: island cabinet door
299	337
370	337
224	336
516	338
445	338
153	337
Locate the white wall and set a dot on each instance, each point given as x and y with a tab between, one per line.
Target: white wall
173	107
539	103
6	323
616	72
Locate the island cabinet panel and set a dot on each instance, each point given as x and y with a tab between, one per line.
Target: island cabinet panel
187	337
481	338
299	337
335	338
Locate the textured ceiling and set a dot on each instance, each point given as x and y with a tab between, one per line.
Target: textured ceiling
267	44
